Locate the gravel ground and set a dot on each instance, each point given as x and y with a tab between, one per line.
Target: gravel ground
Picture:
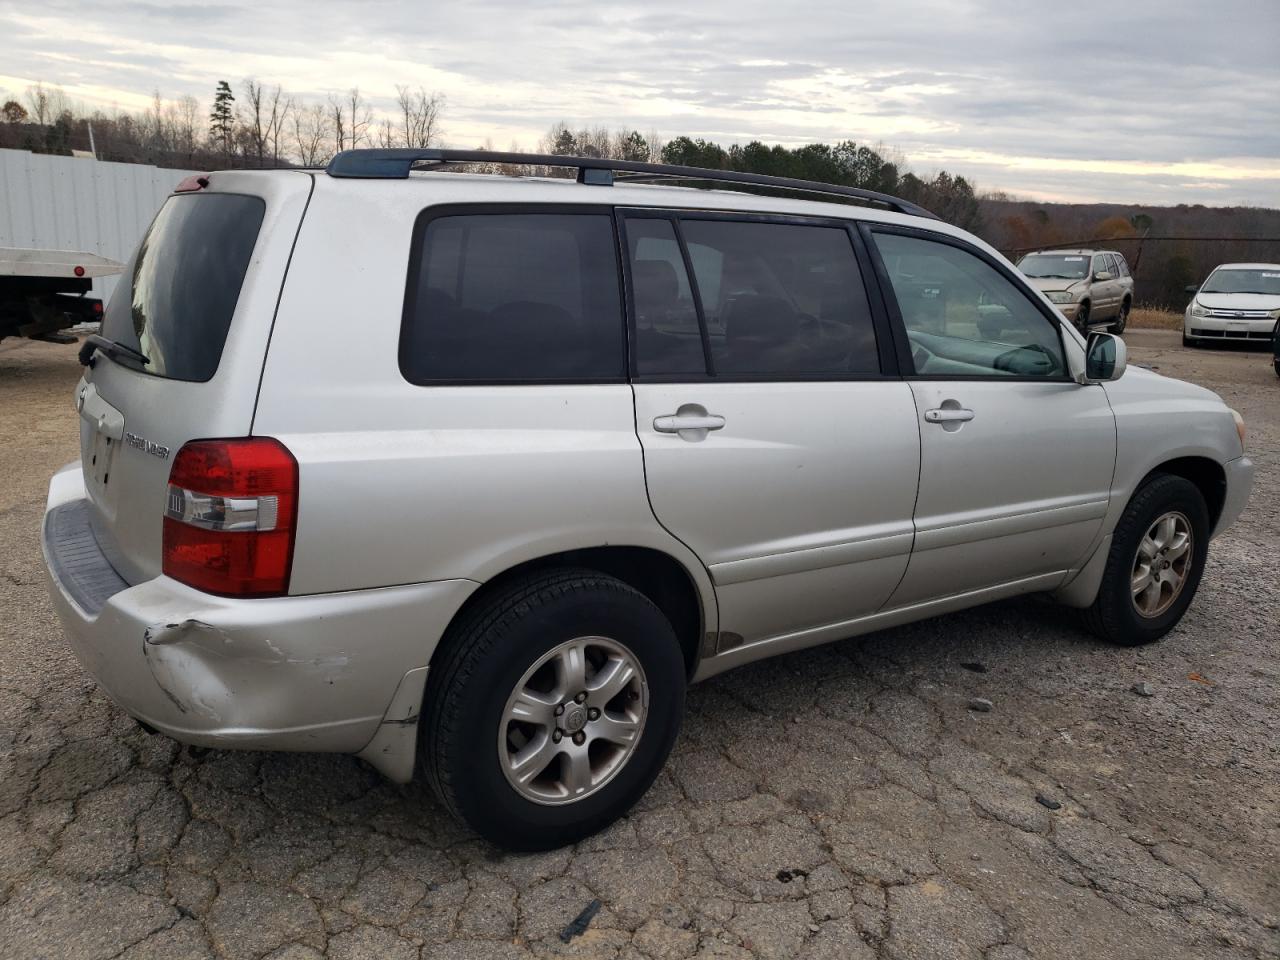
842	802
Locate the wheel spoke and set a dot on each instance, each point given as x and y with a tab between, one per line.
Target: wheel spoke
533	758
1147	549
1141	577
1175	549
1165	530
1151	595
615	728
575	771
531	706
571	670
609	682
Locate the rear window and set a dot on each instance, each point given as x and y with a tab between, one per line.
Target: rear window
513	298
175	301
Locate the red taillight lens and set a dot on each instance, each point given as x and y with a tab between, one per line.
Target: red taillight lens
230	517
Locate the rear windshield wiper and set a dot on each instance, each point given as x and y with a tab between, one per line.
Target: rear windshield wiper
111	348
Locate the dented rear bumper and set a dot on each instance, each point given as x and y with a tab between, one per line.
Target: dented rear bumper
290	673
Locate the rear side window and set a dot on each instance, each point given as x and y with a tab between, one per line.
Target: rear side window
179	291
777	300
513	298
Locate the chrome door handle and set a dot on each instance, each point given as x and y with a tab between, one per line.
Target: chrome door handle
679	422
948	415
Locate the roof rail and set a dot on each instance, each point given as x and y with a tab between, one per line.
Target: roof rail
394	164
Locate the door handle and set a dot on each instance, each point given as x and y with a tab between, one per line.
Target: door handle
948	415
680	422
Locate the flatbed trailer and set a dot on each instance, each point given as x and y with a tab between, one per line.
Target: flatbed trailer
43	293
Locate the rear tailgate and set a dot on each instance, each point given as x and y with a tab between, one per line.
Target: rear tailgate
198	298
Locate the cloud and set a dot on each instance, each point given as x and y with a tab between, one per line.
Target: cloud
1140	101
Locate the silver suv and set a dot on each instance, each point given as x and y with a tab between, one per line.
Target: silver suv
1088	286
471	475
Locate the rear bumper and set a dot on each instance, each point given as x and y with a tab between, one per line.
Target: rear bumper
1239	474
290	673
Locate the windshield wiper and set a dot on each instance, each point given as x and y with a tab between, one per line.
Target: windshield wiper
111	348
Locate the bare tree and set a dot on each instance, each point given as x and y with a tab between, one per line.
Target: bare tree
253	119
420	116
281	106
312	131
38	106
186	114
338	123
359	117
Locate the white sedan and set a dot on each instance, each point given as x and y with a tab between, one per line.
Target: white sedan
1239	301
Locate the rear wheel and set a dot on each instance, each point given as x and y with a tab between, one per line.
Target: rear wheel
1155	563
551	708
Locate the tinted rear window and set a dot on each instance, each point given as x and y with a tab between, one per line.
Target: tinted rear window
178	293
512	298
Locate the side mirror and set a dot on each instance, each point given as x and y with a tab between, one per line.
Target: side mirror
1105	357
1193	289
1102	275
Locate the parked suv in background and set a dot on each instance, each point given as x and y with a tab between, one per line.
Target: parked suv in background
1088	286
475	473
1239	301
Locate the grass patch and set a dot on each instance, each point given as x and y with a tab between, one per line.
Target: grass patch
1145	318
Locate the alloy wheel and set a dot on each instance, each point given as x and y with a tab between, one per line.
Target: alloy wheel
573	720
1162	564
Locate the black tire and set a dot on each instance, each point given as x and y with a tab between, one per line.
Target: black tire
483	657
1114	616
1276	364
1122	319
1189	342
1082	318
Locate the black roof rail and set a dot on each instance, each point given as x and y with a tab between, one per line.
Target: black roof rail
395	164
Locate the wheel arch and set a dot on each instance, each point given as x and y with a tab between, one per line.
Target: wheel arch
661	577
1205	473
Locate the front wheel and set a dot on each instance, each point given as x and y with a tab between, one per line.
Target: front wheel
1082	318
1122	318
551	708
1155	563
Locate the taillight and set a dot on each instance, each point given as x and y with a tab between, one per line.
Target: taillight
230	516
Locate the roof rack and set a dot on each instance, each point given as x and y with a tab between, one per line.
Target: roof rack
395	164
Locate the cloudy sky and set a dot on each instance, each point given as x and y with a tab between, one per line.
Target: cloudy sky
1176	101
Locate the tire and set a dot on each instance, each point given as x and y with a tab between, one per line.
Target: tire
1122	318
1276	363
1189	341
1082	318
489	653
1115	615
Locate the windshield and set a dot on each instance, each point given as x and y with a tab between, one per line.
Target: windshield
1243	281
175	302
1064	266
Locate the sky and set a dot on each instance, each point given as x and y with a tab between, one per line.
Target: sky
1127	101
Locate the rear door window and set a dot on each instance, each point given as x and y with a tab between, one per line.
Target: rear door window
513	298
777	300
179	292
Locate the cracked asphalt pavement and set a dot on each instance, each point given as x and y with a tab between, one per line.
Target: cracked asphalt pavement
843	802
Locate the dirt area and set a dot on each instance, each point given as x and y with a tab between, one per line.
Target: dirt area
842	802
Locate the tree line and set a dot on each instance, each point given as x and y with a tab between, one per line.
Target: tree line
258	124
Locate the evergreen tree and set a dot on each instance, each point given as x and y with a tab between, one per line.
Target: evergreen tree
222	119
